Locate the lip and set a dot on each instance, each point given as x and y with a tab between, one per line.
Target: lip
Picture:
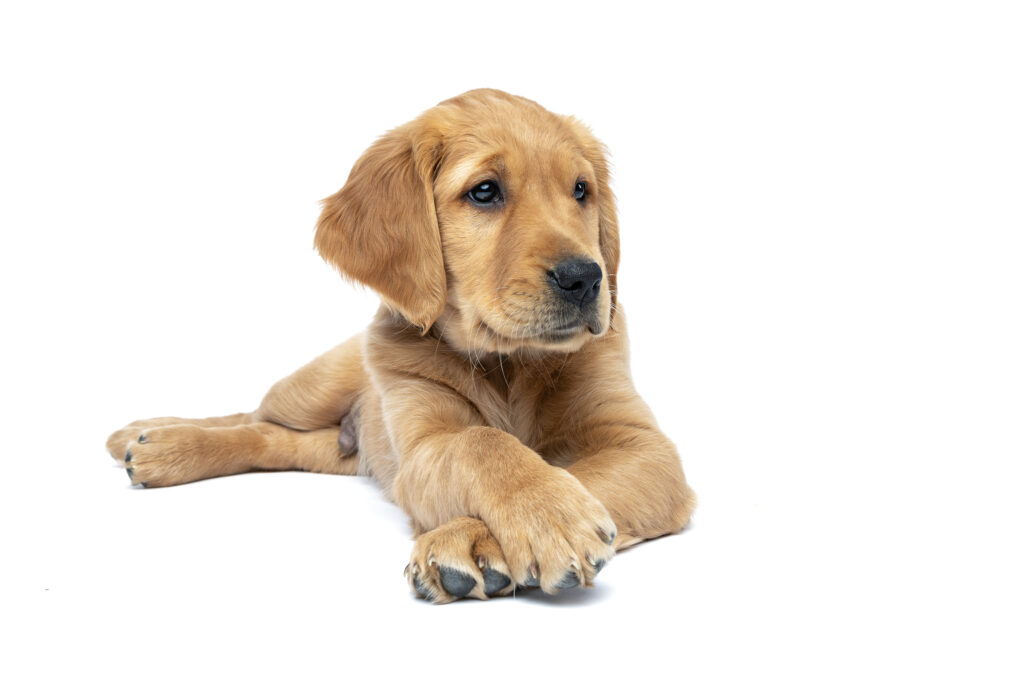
556	334
562	332
571	325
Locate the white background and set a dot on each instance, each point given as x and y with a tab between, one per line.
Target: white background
822	220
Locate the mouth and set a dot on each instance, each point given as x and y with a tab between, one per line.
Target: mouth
546	335
570	330
544	329
561	333
564	327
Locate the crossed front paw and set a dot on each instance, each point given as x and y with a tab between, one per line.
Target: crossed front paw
552	534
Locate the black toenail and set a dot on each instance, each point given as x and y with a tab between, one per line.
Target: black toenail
569	580
130	472
421	588
599	565
457	583
494	581
142	438
128	456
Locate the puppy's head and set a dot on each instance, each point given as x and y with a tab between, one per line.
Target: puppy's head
488	216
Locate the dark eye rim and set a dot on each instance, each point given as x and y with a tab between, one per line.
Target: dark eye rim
579	191
497	198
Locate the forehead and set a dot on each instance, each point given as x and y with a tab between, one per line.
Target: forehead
512	143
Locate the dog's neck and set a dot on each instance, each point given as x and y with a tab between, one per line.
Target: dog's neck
449	340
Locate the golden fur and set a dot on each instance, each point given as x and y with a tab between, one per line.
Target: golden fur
501	418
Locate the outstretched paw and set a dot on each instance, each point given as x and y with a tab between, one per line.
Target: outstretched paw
120	441
165	456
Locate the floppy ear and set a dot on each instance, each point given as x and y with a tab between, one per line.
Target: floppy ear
380	229
608	221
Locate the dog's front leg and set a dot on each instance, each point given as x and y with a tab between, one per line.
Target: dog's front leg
551	530
635	471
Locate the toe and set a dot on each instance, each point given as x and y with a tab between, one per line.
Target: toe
532	577
422	588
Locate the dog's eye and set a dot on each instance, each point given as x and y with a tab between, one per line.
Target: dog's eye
485	193
580	191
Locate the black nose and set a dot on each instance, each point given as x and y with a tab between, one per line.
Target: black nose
577	280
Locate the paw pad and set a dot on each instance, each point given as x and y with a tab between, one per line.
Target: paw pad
494	581
570	580
457	583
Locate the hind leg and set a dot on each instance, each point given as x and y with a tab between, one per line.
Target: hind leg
320	393
306	421
181	453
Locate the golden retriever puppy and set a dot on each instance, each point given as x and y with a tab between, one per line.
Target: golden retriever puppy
491	396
